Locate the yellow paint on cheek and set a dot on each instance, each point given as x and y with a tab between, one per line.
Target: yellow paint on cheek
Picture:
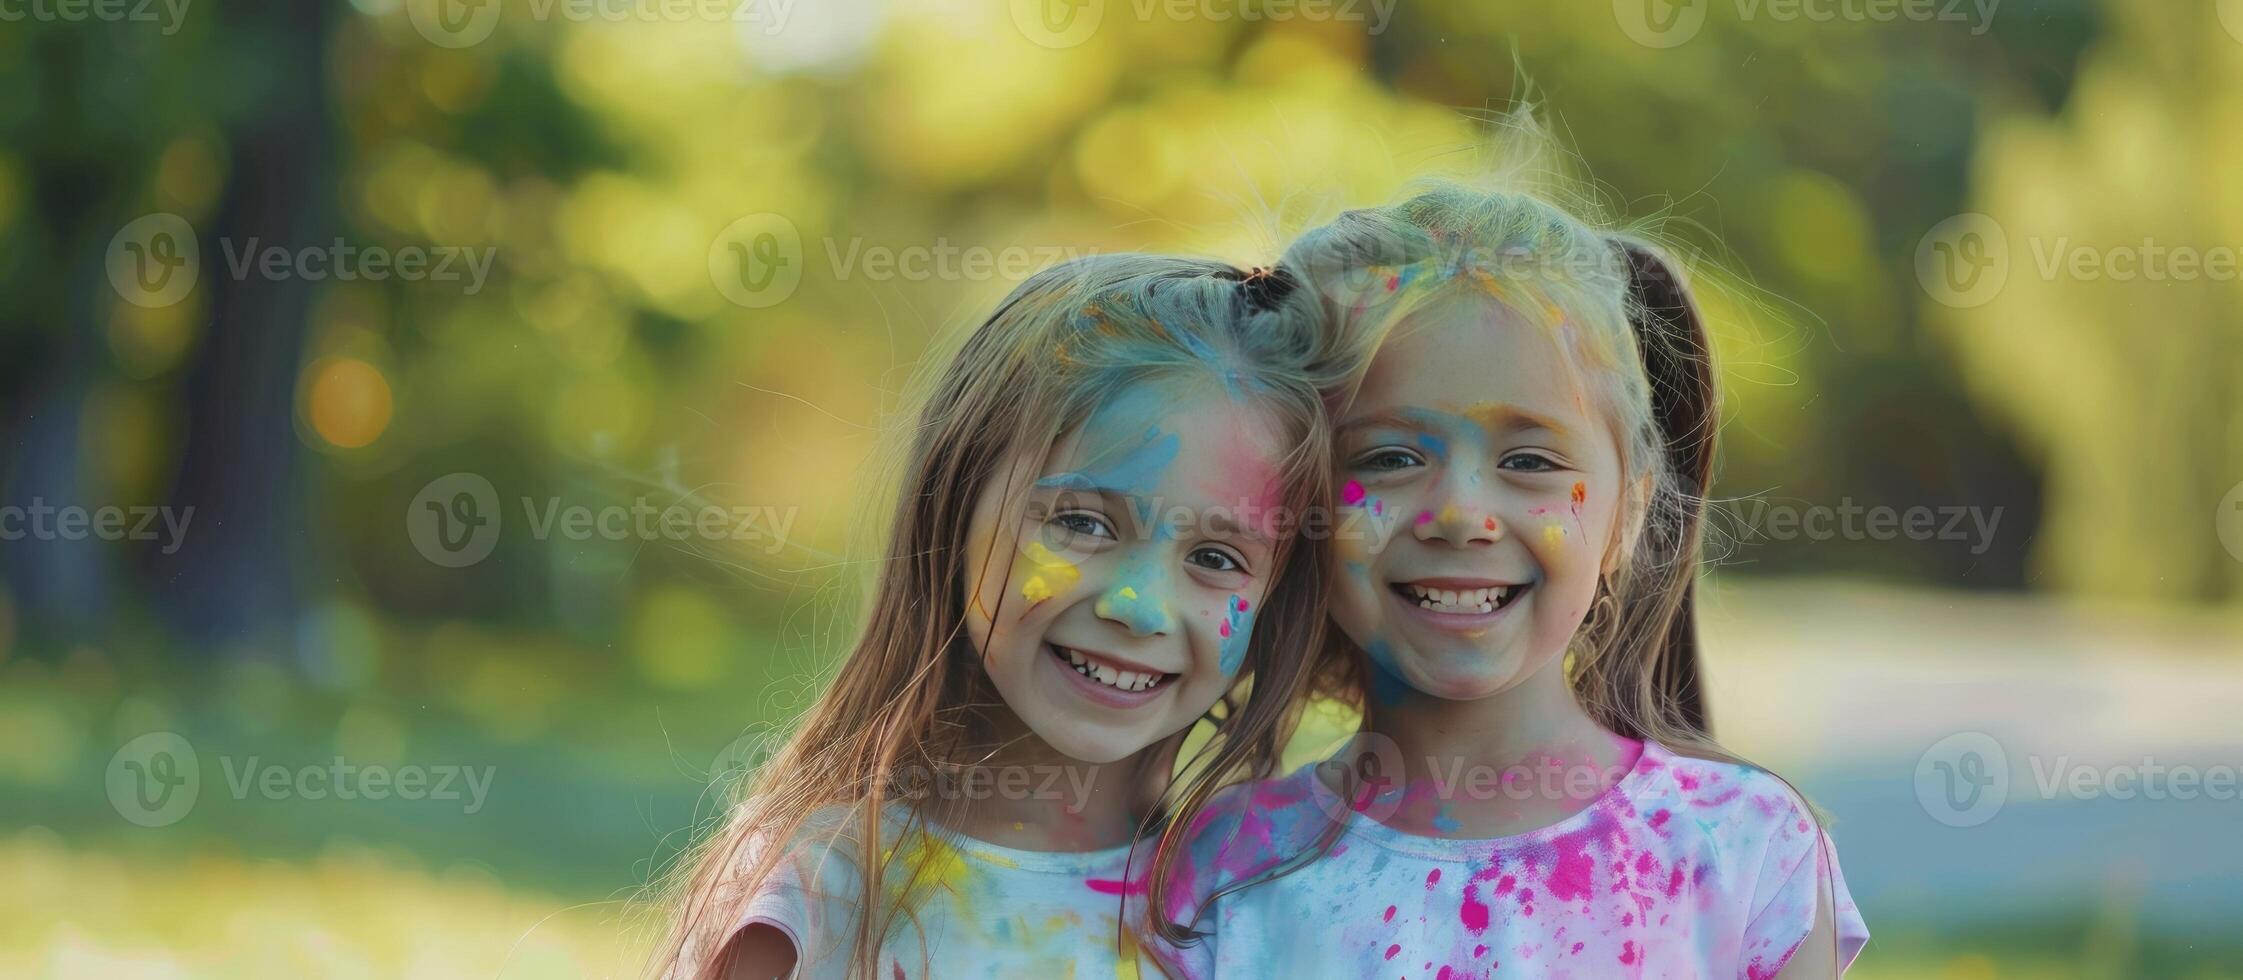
1553	534
1448	514
1046	574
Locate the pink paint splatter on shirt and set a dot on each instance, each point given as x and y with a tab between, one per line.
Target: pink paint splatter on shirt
1628	951
1392	950
1432	878
1389	914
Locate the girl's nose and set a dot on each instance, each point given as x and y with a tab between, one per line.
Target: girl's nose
1138	606
1459	525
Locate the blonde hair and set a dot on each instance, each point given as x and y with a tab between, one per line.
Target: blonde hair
1627	320
911	694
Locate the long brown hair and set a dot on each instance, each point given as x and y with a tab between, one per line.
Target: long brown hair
911	695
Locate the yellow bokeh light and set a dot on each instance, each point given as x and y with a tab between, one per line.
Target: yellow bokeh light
347	401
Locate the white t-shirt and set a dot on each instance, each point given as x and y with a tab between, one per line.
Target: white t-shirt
1683	868
983	910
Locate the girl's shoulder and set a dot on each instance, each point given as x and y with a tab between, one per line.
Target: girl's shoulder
1731	802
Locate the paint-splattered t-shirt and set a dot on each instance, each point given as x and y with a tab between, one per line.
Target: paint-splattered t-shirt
983	910
1684	868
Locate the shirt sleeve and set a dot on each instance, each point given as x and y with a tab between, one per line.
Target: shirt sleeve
1800	874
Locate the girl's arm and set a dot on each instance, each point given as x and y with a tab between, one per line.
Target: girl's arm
759	952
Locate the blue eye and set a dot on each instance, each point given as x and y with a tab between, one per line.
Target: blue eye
1528	463
1388	460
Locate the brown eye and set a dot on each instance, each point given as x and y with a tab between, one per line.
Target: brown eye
1216	559
1529	463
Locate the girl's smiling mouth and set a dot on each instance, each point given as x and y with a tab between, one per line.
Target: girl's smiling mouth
1109	680
1460	602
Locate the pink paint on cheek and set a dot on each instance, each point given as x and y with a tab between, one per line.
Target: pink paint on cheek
1425	517
1378	507
1352	493
1224	630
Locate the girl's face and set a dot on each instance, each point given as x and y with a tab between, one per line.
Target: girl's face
1474	443
1113	589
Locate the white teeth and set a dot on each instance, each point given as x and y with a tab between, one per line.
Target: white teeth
1126	680
1463	601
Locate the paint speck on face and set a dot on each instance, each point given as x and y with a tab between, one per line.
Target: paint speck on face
1580	495
1047	573
1352	492
1488	524
1448	514
1237	622
1425	517
1378	508
1553	534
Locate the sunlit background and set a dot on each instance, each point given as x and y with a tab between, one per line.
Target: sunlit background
680	253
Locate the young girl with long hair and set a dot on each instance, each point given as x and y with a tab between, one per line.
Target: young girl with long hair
1094	548
1534	791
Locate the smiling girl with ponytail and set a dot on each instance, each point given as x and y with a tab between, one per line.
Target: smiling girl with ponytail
1534	790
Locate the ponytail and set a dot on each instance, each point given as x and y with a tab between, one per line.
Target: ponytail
1661	621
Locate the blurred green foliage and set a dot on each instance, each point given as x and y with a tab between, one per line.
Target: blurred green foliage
601	164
